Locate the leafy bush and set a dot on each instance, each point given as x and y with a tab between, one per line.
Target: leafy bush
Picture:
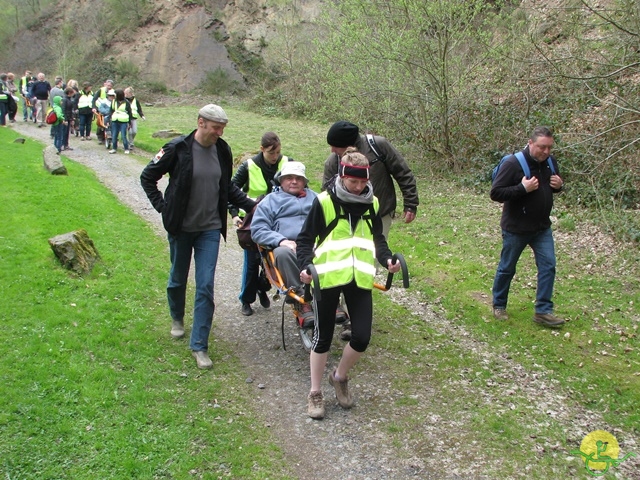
127	70
219	82
155	86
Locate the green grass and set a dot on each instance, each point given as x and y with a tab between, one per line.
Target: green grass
91	386
112	399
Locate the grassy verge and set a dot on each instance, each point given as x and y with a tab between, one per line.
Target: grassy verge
91	385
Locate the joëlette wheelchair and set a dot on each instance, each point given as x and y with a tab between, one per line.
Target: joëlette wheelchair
312	291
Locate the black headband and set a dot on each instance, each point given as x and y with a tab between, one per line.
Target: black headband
354	171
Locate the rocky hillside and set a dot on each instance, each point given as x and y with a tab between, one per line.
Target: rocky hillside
178	43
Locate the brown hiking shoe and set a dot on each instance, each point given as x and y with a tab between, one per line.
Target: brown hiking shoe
315	405
500	314
341	315
345	334
342	390
306	317
548	320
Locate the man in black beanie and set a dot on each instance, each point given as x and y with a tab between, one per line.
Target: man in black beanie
386	164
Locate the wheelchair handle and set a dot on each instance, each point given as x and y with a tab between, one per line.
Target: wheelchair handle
403	267
315	281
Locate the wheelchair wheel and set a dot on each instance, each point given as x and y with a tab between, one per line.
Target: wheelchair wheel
306	337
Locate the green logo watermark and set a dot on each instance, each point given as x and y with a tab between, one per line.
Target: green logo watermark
600	451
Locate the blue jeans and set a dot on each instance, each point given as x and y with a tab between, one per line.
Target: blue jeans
85	124
58	136
119	128
250	277
204	246
543	250
26	111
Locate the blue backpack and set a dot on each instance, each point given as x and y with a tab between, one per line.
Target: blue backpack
523	164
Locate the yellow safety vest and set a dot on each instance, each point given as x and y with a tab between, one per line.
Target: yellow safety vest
119	112
24	82
257	184
85	99
344	256
134	107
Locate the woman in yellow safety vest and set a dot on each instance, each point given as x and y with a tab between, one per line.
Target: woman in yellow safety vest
136	112
85	112
255	176
345	228
120	118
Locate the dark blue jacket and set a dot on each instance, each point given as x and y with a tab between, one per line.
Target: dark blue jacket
41	90
524	212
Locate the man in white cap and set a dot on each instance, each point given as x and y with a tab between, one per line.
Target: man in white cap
194	209
277	222
101	94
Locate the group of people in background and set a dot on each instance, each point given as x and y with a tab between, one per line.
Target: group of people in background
75	108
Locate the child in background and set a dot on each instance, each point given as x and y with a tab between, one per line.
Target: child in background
57	129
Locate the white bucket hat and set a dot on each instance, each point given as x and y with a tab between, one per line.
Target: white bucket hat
293	168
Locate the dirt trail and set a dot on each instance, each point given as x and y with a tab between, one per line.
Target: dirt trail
346	444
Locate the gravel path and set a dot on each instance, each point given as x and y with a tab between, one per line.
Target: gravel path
351	444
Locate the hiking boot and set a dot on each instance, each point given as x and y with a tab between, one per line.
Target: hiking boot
264	299
202	359
341	315
345	334
246	309
306	318
315	405
177	329
500	314
548	320
342	390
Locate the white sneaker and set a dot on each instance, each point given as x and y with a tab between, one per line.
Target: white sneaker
126	152
112	151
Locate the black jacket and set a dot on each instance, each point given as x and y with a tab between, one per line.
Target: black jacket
382	175
524	212
175	158
68	106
